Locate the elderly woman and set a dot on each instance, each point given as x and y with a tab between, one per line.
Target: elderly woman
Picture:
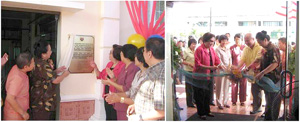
115	65
44	80
122	83
206	61
139	77
222	83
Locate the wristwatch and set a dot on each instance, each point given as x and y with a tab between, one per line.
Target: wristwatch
122	100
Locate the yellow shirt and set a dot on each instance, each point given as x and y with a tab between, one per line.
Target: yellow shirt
189	57
249	55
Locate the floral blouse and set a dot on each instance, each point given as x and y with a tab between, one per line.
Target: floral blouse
42	90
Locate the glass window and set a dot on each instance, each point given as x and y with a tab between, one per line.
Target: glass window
220	23
272	23
202	24
160	7
247	23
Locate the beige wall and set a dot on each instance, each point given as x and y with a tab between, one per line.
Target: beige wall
84	22
126	27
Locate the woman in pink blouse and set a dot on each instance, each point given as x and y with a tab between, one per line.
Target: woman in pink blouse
122	83
206	62
238	87
115	65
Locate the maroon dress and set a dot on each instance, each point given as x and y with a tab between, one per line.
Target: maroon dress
236	53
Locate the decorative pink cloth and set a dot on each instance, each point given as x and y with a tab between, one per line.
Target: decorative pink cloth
103	74
17	84
202	58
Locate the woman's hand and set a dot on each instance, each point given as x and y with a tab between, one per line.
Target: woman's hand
131	109
60	69
191	65
112	98
110	73
50	61
259	75
93	64
105	82
66	73
4	59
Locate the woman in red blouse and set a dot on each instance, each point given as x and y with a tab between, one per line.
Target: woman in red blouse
115	65
206	61
123	82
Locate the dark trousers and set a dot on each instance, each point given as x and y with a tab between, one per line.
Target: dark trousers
273	103
202	99
43	115
189	92
211	90
111	113
256	92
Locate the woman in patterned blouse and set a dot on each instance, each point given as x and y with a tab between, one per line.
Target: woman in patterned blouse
43	83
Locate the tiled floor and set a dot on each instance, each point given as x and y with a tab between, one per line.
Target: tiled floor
244	110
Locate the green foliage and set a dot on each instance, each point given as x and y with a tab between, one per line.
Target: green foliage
175	55
291	64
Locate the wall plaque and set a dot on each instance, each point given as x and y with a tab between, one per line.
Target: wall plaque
83	54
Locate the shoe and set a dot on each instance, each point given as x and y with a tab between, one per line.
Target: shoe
255	112
242	104
212	103
220	107
227	106
210	115
203	117
233	104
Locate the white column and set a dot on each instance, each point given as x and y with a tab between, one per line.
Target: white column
99	113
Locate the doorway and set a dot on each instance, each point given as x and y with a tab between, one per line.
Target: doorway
20	29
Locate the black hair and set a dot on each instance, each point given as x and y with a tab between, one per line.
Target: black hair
129	51
140	57
262	35
40	47
217	37
157	47
116	51
191	41
191	37
23	59
207	36
282	39
201	38
222	37
293	43
227	33
237	35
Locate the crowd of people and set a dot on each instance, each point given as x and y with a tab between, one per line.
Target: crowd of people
213	55
134	83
